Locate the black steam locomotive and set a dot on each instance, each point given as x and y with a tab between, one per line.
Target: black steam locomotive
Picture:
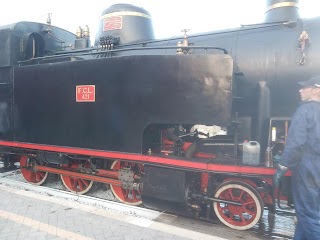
189	125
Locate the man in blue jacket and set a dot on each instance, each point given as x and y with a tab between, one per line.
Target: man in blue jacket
302	156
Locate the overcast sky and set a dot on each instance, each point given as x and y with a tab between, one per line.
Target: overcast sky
169	16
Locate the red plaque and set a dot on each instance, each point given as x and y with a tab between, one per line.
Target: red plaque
112	23
86	93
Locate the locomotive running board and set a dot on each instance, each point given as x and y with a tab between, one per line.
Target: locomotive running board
206	165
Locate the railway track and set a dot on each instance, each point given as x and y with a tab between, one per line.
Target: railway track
89	200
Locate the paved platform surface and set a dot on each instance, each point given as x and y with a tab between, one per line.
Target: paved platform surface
29	215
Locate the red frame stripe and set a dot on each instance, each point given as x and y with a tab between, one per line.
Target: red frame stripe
173	162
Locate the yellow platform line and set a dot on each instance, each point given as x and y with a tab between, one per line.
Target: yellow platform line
55	231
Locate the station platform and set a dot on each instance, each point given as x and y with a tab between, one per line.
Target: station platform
26	214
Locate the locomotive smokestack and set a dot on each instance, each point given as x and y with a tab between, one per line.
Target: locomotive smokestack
281	10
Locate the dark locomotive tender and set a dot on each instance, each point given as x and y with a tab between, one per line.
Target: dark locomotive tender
161	121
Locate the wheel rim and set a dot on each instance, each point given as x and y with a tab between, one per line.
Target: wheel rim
37	177
238	217
76	185
130	197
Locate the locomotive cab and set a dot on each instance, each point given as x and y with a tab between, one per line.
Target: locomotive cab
33	46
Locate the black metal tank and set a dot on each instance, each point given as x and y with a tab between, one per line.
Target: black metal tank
280	52
268	58
126	22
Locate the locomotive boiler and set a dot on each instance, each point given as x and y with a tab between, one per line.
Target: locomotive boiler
190	125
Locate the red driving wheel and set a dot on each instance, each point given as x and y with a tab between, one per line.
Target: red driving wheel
34	177
238	217
74	184
127	196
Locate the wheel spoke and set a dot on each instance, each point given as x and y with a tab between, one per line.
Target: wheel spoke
242	218
37	176
80	184
231	194
127	193
241	194
74	183
134	194
85	182
33	177
247	203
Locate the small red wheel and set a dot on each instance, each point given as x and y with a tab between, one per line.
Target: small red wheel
74	184
238	217
34	177
127	196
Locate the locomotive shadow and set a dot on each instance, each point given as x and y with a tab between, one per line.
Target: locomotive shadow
269	227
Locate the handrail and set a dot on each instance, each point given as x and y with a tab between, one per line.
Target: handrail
74	54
